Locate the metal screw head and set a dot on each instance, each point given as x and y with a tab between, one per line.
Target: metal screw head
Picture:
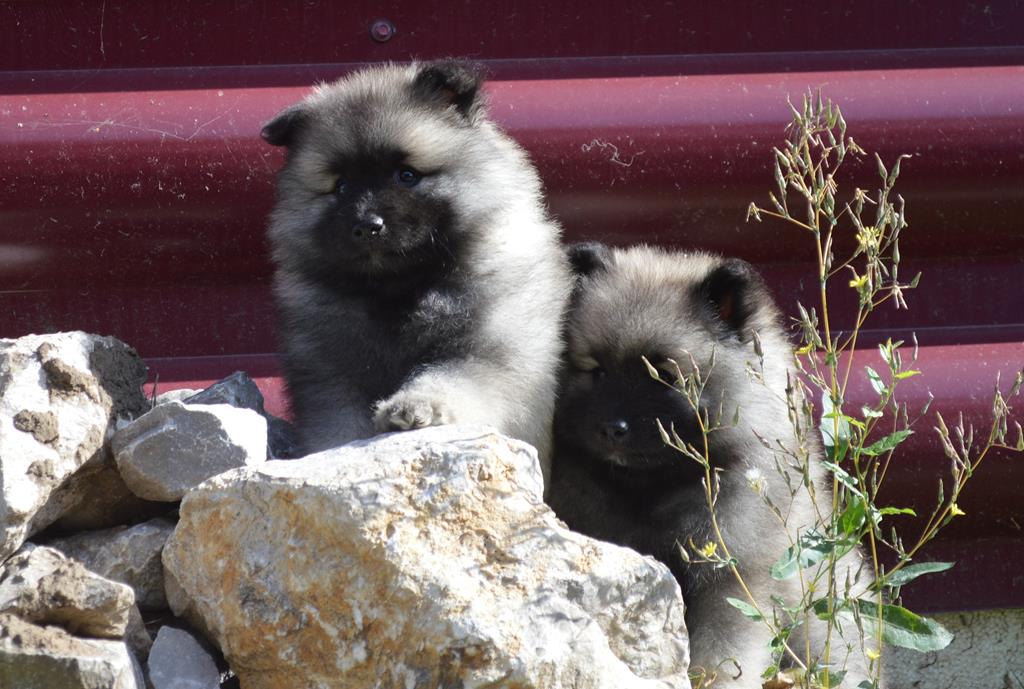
382	31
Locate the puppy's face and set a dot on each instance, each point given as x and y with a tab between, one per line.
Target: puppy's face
378	171
610	406
371	206
666	307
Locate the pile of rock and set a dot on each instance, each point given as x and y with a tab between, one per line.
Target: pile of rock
418	559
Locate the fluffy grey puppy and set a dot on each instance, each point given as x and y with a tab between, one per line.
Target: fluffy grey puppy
419	279
614	478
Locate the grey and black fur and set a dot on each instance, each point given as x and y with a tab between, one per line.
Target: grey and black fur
612	476
419	279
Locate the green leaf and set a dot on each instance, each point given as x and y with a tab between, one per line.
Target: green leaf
820	607
869	413
886	444
856	423
905	629
890	354
902	375
911	572
877	384
897	510
843	477
853	517
745	608
835	429
825	678
810	549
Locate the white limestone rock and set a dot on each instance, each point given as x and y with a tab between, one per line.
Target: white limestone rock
128	554
419	559
61	396
175	447
43	586
178	661
45	657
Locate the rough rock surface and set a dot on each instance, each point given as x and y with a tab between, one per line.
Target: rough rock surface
60	397
178	661
176	446
179	395
96	497
130	555
419	559
137	636
40	657
239	390
42	586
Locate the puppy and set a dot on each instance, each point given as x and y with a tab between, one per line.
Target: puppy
615	479
419	279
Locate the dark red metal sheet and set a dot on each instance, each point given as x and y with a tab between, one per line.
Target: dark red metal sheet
106	34
113	198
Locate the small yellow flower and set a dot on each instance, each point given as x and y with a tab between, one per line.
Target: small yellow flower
868	239
872	654
858	281
806	349
955	511
709	549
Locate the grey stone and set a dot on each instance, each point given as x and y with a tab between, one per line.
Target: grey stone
179	661
424	558
239	390
137	636
179	395
96	497
41	657
43	586
282	439
175	447
61	396
130	555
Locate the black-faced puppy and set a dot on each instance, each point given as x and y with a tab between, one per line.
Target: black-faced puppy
419	279
615	479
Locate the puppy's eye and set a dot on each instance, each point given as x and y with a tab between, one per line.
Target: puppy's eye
407	177
340	187
586	364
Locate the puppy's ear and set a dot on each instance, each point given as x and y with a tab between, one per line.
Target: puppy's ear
588	258
732	294
283	129
448	83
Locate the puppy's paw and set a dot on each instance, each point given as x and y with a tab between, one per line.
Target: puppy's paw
405	411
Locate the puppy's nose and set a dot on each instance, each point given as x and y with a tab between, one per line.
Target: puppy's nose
368	228
615	431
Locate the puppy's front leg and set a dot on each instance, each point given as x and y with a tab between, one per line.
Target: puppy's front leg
466	392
